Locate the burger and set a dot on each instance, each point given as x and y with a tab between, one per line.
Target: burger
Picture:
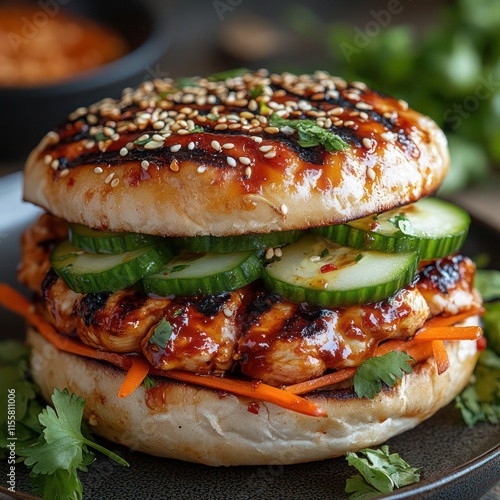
249	268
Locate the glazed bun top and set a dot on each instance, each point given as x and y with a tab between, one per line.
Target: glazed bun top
239	153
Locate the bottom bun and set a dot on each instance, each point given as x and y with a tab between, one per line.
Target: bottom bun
182	421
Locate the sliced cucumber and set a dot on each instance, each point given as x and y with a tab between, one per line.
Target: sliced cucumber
322	273
200	273
94	241
432	227
236	243
88	272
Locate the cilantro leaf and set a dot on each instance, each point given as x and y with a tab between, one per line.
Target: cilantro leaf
388	369
224	75
197	128
255	91
310	134
380	472
488	283
149	382
62	484
161	333
480	402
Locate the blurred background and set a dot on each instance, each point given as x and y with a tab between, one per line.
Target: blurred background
443	57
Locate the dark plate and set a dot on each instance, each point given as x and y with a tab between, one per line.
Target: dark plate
457	462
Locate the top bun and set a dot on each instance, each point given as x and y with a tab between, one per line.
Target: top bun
199	156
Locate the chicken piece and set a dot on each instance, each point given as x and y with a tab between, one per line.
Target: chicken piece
286	343
59	303
204	333
117	321
37	243
448	285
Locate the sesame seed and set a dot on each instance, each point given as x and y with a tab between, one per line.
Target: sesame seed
284	209
158	138
265	148
364	105
367	143
153	145
255	130
245	160
108	131
363	115
272	130
109	178
98	170
228	145
123	152
115	137
89	144
144	137
158	125
227	312
271	154
115	182
253	105
314	258
145	164
220	126
183	131
388	136
52	138
175	148
403	104
200	170
269	253
257	139
248	172
336	111
338	123
47	159
55	164
174	166
191	146
370	173
216	145
231	161
278	252
64	172
348	123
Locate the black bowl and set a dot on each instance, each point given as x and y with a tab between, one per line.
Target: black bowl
29	112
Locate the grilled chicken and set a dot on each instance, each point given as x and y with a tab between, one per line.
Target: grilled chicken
286	343
204	333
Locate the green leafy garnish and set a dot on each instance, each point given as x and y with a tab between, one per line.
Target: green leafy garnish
388	369
62	449
224	75
197	128
161	334
101	137
256	91
264	109
149	382
185	82
380	472
309	133
488	283
324	253
212	117
402	224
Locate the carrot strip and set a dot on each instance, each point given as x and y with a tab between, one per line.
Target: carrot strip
252	389
317	383
390	345
448	333
419	352
135	375
440	356
453	320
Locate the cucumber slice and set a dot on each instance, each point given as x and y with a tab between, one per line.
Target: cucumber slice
88	272
432	227
322	273
204	273
94	241
236	243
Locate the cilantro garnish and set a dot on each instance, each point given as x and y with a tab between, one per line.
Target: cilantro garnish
402	224
380	472
101	137
387	369
309	133
149	382
197	128
224	75
185	82
62	449
256	91
161	334
212	117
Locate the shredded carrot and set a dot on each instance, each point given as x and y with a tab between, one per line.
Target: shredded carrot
325	380
440	356
252	389
453	320
419	352
390	345
138	371
448	333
